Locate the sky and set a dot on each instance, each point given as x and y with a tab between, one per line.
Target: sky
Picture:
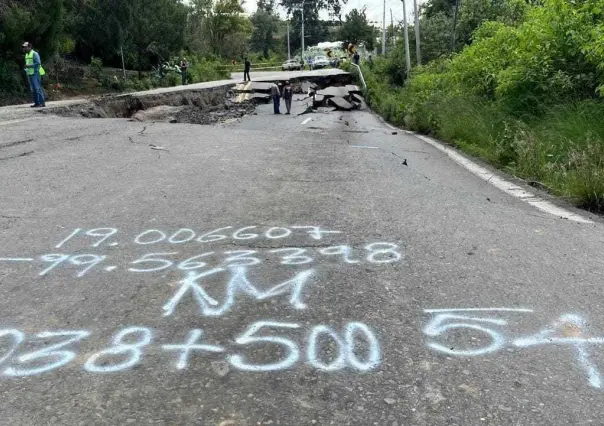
374	9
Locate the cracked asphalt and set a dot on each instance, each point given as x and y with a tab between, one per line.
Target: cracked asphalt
283	270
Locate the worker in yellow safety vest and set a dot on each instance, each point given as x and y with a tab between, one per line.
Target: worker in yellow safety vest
34	71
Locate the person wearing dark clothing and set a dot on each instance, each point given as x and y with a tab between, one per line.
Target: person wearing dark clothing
288	94
356	58
183	70
246	70
276	94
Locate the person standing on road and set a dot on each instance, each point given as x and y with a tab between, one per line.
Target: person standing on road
183	70
34	71
246	70
288	94
275	93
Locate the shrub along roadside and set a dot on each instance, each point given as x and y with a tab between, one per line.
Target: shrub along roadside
562	149
66	78
525	98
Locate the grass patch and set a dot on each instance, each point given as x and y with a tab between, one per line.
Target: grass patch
562	149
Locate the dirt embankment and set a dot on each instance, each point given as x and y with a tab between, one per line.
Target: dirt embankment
197	106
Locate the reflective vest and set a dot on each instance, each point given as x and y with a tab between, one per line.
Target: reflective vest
29	60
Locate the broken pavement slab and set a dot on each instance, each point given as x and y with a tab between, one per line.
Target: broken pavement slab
253	87
308	86
353	89
333	91
161	113
340	103
358	99
253	97
318	101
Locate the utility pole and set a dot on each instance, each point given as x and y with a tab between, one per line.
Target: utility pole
454	26
417	42
302	31
288	48
123	65
392	27
384	30
406	34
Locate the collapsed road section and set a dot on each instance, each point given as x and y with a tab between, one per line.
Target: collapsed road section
218	103
334	92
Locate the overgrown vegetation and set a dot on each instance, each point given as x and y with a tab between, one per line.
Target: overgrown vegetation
148	36
521	90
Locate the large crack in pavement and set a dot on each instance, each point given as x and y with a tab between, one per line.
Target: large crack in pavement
212	105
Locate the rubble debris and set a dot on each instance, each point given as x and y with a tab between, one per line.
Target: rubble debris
253	87
308	86
334	91
343	98
340	103
357	98
308	110
318	100
161	113
253	97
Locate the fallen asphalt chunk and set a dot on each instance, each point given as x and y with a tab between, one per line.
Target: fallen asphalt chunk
253	97
253	86
360	100
340	103
353	89
334	91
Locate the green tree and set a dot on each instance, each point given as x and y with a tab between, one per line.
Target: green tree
157	27
222	27
356	29
436	34
315	30
37	21
474	12
334	7
265	24
100	27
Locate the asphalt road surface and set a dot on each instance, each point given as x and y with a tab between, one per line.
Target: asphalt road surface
284	270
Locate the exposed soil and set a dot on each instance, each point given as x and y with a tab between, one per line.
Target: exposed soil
195	106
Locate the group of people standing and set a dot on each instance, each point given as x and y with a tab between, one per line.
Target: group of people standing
34	71
282	91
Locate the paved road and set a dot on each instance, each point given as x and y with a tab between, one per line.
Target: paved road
15	113
284	270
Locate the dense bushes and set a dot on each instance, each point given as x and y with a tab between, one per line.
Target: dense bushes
524	97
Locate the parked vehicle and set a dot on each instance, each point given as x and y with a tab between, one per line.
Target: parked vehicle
291	65
320	62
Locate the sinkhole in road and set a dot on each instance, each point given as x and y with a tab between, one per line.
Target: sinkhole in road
211	105
196	106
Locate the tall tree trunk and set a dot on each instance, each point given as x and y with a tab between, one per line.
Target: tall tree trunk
140	64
